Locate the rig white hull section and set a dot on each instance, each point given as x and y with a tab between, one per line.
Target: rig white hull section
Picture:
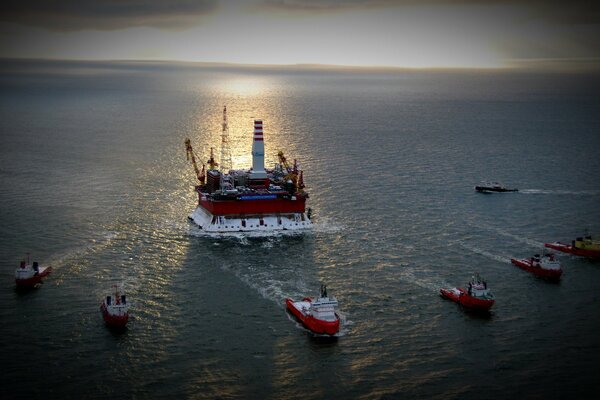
265	222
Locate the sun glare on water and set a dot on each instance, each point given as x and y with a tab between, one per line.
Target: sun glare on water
247	99
244	87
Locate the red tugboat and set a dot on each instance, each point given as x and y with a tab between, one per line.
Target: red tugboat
582	246
29	276
256	199
476	297
545	266
317	315
115	309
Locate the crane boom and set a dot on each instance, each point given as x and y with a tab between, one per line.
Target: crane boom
189	153
283	162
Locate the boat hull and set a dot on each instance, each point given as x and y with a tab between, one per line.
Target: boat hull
460	296
567	248
486	189
115	321
255	204
314	325
248	222
35	279
527	265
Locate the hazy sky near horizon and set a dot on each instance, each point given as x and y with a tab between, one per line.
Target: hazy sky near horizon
400	33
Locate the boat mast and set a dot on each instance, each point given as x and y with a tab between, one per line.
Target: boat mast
226	163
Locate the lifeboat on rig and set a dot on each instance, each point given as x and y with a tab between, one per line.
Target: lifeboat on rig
318	315
256	199
546	266
477	296
115	310
489	187
582	246
30	275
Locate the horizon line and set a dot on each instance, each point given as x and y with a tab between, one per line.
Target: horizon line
551	64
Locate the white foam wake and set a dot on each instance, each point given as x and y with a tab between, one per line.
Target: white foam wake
477	250
68	256
408	275
518	238
244	236
560	192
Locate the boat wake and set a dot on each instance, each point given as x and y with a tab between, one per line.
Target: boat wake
561	192
477	250
522	239
424	282
243	237
324	225
75	254
271	282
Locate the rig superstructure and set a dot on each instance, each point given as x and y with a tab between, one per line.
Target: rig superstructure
257	199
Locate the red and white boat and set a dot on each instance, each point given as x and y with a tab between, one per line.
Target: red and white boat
115	309
30	275
256	199
582	246
546	266
477	296
318	315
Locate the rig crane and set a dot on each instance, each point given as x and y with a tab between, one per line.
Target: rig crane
291	172
189	153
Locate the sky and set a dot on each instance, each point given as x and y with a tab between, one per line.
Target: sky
390	33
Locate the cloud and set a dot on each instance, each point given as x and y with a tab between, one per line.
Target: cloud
74	15
568	12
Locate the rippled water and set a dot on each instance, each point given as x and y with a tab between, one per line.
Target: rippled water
95	182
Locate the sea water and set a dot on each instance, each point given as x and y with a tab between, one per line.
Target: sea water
95	182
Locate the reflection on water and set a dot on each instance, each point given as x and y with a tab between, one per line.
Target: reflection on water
247	99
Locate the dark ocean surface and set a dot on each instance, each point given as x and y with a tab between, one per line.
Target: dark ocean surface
94	181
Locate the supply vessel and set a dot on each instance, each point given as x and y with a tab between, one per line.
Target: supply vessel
477	296
582	246
115	309
319	315
255	199
545	266
30	275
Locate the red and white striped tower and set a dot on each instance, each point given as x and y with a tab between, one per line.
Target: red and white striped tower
258	152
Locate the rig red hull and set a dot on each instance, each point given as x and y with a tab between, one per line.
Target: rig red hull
567	248
465	300
115	321
253	207
315	325
34	280
527	265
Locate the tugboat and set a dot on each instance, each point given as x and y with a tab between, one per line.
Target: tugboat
115	309
545	266
29	276
489	187
317	315
476	297
582	246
